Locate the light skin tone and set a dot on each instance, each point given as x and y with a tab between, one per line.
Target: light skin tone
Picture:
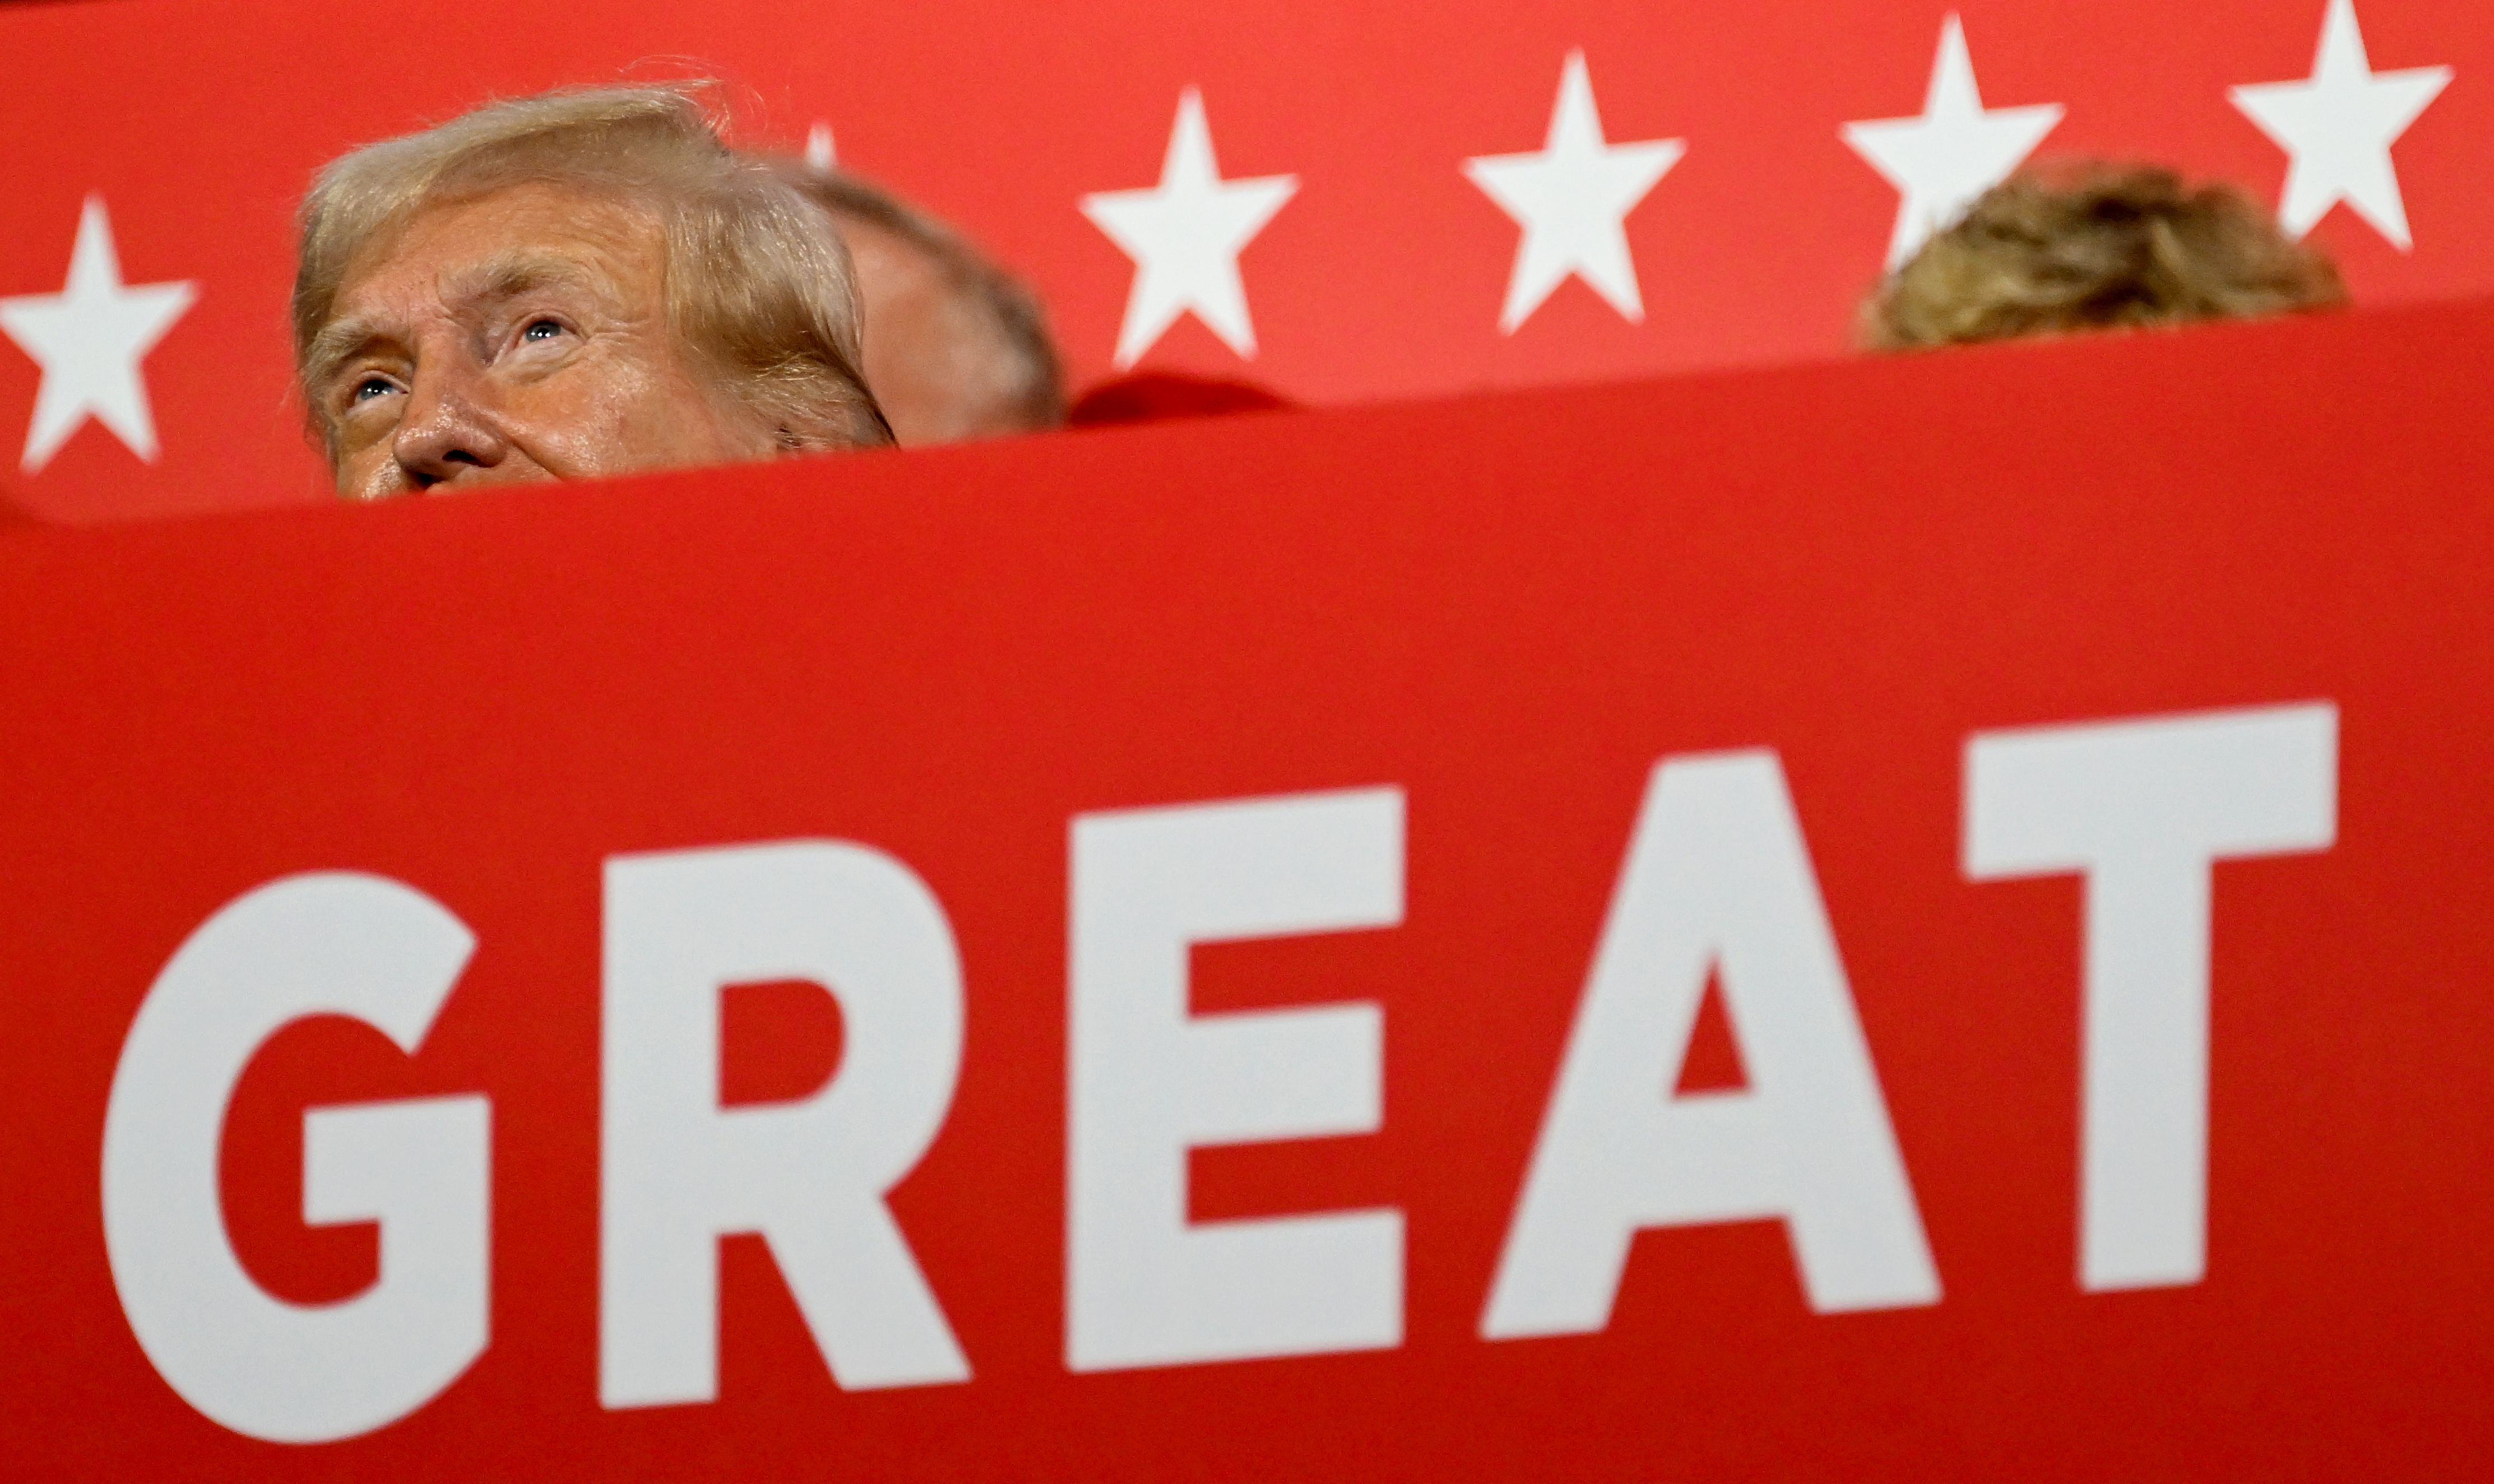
514	337
928	357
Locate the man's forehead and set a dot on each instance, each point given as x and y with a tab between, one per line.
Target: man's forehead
506	242
520	269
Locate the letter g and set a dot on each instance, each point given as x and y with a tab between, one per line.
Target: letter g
331	943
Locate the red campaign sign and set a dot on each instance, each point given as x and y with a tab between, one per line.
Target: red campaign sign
1389	202
1902	921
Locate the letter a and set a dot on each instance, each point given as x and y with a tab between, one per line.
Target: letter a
1716	877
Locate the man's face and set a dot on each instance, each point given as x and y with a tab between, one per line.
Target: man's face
516	336
930	356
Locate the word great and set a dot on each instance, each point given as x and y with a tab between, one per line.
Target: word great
1717	879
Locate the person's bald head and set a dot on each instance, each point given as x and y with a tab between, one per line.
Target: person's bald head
955	348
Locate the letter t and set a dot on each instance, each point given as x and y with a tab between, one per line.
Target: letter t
2143	808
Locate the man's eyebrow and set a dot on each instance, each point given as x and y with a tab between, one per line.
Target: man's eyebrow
513	274
338	342
504	277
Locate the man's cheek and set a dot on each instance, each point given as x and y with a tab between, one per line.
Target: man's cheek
623	418
369	472
572	430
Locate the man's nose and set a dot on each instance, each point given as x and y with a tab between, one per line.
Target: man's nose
449	432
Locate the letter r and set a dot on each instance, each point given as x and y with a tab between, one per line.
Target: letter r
680	1170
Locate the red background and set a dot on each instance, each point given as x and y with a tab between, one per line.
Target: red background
1533	598
202	121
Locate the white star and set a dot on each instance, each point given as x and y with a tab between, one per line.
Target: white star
89	338
2338	126
820	155
1185	236
1943	160
1573	198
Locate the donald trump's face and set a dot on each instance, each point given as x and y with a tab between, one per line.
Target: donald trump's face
515	336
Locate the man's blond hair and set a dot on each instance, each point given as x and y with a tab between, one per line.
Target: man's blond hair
758	285
2097	247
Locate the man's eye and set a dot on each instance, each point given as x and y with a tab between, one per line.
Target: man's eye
541	329
370	387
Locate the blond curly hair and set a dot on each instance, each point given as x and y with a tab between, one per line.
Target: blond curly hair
2096	247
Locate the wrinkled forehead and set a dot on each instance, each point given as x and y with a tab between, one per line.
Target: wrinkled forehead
451	254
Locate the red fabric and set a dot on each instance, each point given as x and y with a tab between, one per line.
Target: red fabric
1510	607
1157	396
